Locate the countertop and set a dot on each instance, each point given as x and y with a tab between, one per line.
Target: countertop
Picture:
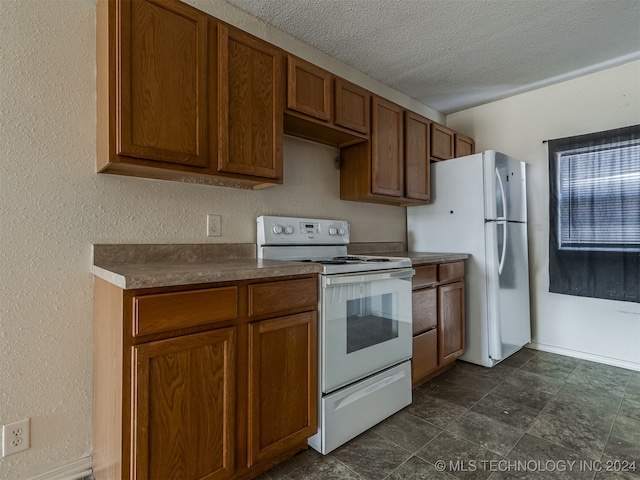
134	266
425	258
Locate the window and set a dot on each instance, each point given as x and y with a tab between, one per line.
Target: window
599	193
594	241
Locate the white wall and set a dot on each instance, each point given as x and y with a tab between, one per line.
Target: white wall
604	330
53	206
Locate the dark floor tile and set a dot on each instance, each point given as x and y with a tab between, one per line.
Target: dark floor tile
519	358
605	377
324	468
475	377
600	369
417	469
634	384
579	428
551	365
435	411
622	456
407	431
371	456
630	406
300	459
592	396
627	429
549	460
615	475
506	472
497	373
451	392
528	388
486	432
506	411
462	459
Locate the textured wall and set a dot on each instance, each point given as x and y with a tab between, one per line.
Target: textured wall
598	329
53	206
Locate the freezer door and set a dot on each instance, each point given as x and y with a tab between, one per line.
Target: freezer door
509	324
505	187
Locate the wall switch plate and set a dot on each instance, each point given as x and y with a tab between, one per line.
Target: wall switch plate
16	437
213	226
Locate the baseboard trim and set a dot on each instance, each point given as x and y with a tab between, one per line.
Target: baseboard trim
585	356
72	471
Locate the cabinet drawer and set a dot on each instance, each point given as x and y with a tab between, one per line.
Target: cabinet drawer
425	309
425	275
278	297
170	311
450	271
425	355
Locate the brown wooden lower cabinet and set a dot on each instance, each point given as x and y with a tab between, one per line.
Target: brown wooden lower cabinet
438	319
216	393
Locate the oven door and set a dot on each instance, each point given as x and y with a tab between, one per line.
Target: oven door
365	324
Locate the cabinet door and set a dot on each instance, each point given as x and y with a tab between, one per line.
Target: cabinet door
352	106
387	164
282	384
162	99
250	98
442	142
464	145
450	321
425	309
425	356
308	89
183	407
417	156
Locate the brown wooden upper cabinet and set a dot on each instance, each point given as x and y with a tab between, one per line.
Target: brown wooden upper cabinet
351	106
324	108
387	152
143	120
169	83
393	167
442	142
464	145
308	89
417	142
250	92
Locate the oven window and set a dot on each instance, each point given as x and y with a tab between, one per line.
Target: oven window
370	321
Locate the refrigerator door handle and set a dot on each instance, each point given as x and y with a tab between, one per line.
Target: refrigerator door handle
503	195
503	255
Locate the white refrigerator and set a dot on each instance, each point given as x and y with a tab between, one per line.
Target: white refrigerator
478	206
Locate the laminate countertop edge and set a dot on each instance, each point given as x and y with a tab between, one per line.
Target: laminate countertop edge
149	266
152	275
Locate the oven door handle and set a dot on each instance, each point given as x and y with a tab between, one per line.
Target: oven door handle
366	277
370	389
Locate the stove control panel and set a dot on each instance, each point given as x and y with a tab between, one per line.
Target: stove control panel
301	231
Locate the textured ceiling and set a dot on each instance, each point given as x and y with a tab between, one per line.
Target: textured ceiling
455	54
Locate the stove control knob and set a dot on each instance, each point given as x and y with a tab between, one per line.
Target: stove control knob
341	231
277	229
288	229
333	231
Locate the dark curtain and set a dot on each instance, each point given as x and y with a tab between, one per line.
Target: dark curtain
591	264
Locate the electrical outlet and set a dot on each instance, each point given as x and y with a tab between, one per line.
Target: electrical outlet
16	437
213	226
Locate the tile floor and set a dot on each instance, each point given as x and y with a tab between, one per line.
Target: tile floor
535	415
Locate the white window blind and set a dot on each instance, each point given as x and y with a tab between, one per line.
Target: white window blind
599	197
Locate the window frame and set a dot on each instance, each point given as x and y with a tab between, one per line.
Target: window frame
608	273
